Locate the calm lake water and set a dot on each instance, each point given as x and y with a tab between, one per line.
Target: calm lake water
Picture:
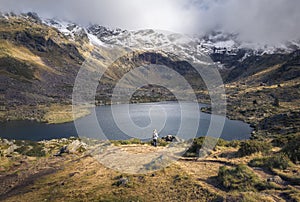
169	112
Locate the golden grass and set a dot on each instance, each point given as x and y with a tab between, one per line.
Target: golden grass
287	84
5	164
247	89
62	114
2	114
87	180
23	54
84	179
263	72
250	197
291	105
19	24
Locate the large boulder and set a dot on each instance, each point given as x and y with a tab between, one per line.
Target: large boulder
171	138
77	146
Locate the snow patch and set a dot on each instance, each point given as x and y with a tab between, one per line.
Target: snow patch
95	41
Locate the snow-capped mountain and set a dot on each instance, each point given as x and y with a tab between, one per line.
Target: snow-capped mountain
67	28
216	44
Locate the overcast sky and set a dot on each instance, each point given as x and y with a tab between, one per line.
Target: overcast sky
264	21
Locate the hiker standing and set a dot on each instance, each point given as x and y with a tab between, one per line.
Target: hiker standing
155	137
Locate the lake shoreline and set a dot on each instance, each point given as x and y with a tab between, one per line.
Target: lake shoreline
39	130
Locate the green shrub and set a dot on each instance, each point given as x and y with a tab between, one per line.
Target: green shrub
233	143
222	143
36	151
280	161
162	143
292	149
127	142
209	141
240	178
30	148
196	145
124	181
253	146
180	177
282	140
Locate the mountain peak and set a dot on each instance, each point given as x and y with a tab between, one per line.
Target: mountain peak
102	32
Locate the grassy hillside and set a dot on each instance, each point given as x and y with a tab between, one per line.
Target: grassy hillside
270	102
38	65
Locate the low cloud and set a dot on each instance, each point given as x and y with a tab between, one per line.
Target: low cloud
261	21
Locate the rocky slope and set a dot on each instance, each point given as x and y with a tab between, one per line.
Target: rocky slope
38	66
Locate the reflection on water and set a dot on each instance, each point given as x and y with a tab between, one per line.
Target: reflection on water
139	114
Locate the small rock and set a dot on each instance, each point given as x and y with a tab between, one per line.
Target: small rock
5	141
62	150
122	182
142	179
277	179
72	174
10	149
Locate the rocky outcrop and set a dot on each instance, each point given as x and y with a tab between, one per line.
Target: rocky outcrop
77	146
